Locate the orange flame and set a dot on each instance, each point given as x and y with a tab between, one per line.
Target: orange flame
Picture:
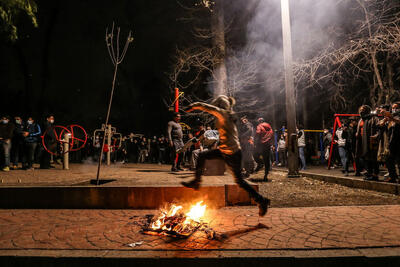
194	215
196	212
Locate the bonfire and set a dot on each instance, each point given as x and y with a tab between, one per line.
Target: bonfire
174	222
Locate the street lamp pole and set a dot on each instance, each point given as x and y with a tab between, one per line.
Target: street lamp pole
290	93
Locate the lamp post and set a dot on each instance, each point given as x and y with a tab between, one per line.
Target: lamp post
290	93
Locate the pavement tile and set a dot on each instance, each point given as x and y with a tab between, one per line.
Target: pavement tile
288	228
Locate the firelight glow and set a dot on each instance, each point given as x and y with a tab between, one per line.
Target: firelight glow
196	212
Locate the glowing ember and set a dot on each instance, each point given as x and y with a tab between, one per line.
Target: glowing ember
174	222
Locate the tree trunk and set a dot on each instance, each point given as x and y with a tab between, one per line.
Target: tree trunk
372	53
372	92
389	78
378	77
218	30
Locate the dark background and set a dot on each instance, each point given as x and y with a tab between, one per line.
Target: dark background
63	67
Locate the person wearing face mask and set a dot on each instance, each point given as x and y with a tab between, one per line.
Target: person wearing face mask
6	133
31	134
17	142
367	142
51	143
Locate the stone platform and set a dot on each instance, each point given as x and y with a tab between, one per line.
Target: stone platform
136	186
316	236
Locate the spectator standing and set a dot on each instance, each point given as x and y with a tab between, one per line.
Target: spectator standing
50	141
263	142
175	135
31	133
246	134
17	143
394	142
367	142
301	143
162	149
342	135
282	154
6	134
143	152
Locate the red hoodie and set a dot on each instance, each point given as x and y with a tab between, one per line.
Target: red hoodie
264	133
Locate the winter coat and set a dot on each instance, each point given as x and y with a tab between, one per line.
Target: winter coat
34	133
6	130
301	139
367	143
341	136
264	133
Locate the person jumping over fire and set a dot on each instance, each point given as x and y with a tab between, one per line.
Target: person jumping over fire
229	148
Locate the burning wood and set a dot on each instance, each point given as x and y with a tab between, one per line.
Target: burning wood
174	222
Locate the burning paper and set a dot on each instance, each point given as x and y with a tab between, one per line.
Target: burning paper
175	222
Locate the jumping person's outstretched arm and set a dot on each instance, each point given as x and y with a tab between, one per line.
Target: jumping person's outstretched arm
213	110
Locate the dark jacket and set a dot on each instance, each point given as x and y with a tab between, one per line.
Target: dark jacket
18	137
34	133
6	130
367	144
50	136
394	137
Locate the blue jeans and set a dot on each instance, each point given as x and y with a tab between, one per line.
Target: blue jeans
343	157
6	146
302	157
29	155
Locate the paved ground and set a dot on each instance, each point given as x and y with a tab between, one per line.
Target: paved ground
284	192
281	228
125	175
309	219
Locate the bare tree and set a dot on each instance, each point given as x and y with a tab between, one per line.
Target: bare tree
364	56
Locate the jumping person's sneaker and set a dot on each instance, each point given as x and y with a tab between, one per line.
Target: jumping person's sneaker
263	206
192	184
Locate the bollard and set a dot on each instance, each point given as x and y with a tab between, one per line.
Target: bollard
66	153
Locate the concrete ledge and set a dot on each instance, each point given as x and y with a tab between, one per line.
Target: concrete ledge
329	257
143	197
390	188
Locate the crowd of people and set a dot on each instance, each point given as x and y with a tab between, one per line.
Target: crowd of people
367	143
20	142
361	144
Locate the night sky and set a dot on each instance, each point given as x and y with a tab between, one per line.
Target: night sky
62	67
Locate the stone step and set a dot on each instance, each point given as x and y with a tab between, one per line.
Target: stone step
119	197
